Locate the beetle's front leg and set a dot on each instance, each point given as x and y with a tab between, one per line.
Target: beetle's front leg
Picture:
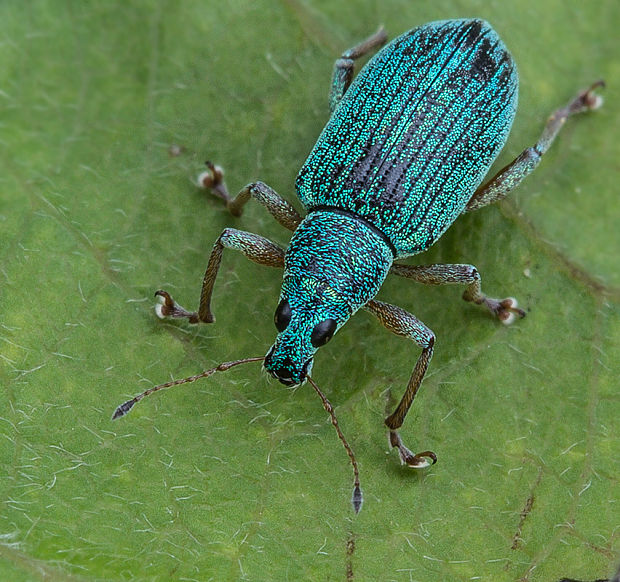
254	247
343	67
213	179
511	176
403	323
505	309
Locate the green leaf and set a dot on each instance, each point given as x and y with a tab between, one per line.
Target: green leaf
236	477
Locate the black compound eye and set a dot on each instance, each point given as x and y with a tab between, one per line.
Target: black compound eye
323	332
283	315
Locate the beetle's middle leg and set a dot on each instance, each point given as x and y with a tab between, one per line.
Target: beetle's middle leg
504	309
343	67
213	179
403	323
254	247
510	177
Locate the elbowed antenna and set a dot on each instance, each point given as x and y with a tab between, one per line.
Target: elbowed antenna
357	498
124	408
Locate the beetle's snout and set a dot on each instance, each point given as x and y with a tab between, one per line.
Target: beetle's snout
283	373
284	369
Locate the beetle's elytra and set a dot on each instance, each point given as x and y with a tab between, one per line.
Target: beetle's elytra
404	153
416	133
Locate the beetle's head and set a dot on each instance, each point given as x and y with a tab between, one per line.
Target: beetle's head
334	264
308	315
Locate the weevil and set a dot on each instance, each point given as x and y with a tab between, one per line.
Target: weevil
404	153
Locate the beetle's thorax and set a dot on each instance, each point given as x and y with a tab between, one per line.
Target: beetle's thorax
346	259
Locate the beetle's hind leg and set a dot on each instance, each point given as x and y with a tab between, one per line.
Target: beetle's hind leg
504	309
402	323
343	67
511	176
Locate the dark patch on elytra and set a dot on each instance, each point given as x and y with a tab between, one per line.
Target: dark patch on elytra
424	41
484	62
360	172
473	33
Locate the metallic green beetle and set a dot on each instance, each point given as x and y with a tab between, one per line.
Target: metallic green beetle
404	153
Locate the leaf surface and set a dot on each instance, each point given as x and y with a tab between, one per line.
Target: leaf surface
236	477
